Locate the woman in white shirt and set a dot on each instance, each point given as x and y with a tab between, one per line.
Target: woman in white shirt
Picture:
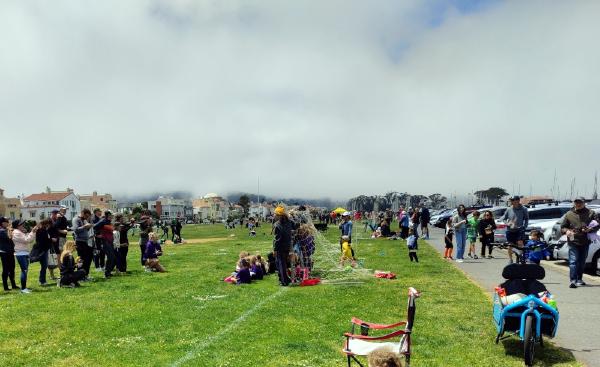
23	241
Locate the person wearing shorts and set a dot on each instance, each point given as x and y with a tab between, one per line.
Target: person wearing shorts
517	219
425	219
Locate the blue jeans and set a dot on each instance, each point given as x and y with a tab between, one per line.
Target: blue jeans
23	261
577	257
44	264
461	241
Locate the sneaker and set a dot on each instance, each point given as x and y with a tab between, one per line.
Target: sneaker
475	257
470	256
26	291
459	260
580	283
58	283
43	284
490	257
572	285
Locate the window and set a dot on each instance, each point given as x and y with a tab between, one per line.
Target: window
550	213
32	214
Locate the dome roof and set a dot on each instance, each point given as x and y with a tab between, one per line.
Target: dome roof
211	195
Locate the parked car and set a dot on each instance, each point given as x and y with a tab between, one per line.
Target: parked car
443	218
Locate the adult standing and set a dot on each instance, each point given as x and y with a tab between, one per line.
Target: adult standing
123	250
459	222
416	218
517	219
425	219
486	228
145	229
54	233
346	227
61	225
43	243
22	241
178	227
81	228
282	244
404	221
98	253
576	225
389	216
7	255
105	228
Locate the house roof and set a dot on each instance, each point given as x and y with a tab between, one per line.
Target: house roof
53	196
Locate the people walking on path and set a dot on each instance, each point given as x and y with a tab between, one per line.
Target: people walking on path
578	223
448	234
486	228
517	219
472	233
459	222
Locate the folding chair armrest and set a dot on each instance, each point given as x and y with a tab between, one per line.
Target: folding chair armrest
374	326
383	337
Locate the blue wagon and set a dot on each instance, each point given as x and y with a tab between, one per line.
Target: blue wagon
519	309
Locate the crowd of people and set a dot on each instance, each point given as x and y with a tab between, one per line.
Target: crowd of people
98	238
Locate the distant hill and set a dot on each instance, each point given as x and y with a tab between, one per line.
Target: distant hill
323	202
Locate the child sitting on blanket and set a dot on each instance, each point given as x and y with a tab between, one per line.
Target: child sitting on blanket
347	252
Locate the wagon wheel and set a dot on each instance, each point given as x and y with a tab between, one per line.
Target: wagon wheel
529	340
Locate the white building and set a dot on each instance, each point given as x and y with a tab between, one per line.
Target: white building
211	206
40	206
168	208
260	211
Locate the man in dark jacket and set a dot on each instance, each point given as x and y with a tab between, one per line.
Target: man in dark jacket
576	225
282	244
424	219
7	254
99	255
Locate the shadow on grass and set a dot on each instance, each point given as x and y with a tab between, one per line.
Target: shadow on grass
549	355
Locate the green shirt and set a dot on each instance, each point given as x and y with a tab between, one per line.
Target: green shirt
472	227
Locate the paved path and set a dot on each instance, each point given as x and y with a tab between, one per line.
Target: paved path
579	326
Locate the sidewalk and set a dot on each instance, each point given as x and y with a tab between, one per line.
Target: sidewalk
579	326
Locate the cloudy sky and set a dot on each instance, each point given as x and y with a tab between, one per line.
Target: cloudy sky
318	98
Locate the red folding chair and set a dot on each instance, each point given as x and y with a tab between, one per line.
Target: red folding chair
363	344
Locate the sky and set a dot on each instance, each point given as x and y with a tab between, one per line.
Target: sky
317	98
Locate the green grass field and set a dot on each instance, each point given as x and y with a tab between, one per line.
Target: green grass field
190	317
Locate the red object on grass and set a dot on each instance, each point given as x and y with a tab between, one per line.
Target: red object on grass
310	282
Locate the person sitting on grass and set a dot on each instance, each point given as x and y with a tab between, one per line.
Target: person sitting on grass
413	245
243	275
70	274
255	269
538	250
153	251
384	357
347	252
262	263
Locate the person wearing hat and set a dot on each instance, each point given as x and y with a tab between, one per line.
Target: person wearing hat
145	230
282	244
23	241
577	224
7	250
516	218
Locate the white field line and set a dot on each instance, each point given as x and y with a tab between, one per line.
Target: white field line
226	330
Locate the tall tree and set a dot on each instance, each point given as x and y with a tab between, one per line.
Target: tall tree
244	202
437	201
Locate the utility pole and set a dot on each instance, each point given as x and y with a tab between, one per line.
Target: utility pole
595	194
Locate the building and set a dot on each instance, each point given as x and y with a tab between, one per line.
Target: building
260	211
168	208
94	201
40	206
211	206
127	208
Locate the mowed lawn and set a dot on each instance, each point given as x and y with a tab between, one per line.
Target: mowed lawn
190	317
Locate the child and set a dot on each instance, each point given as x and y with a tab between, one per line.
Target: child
243	255
347	252
260	260
255	269
413	246
384	357
117	244
538	250
243	276
472	226
448	240
153	251
69	275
